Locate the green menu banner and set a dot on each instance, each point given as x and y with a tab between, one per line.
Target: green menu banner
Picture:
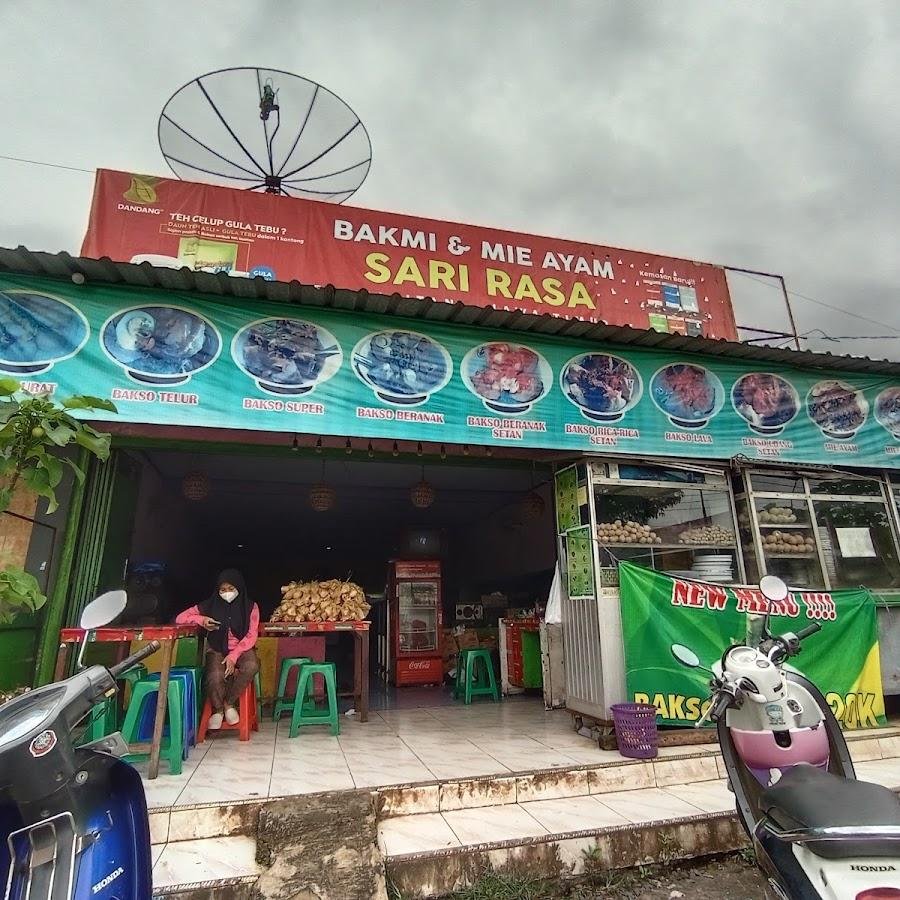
166	358
658	611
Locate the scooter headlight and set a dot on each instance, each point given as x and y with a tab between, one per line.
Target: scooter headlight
21	717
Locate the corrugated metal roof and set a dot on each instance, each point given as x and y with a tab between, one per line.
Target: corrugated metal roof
21	261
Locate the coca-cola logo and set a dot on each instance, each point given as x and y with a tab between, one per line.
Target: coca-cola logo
417	664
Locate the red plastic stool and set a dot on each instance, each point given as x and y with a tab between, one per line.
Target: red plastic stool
246	709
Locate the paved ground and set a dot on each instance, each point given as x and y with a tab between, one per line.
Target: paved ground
731	878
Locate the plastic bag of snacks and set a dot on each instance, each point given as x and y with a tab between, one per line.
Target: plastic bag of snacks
321	601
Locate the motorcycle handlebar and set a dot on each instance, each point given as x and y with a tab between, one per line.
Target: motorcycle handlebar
804	633
134	659
721	705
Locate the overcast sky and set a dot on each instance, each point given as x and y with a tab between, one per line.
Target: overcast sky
763	135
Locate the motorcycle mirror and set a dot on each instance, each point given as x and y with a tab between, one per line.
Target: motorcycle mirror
103	610
100	612
686	656
774	590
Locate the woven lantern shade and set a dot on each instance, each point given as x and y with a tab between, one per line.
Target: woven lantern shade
422	495
321	497
533	506
195	486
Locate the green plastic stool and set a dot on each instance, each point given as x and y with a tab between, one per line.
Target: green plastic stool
102	721
282	702
173	746
131	677
479	680
459	684
306	714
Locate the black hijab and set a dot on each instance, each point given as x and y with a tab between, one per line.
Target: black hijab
234	616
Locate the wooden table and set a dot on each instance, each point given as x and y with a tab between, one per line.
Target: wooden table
167	635
360	632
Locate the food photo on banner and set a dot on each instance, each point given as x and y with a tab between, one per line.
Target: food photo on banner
270	367
658	611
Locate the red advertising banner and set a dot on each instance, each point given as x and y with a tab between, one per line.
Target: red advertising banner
178	223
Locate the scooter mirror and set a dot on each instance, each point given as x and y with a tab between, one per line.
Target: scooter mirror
685	656
103	610
773	588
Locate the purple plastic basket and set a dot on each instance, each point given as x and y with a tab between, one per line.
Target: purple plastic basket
636	733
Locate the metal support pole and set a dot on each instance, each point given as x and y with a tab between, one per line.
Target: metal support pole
55	609
784	291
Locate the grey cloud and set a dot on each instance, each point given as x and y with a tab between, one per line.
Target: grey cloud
759	134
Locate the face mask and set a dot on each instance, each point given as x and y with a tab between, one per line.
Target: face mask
228	596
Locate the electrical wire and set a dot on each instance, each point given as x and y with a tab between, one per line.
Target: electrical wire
806	297
821	336
36	162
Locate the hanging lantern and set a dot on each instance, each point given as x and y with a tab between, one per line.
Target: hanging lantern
195	486
533	506
321	497
422	495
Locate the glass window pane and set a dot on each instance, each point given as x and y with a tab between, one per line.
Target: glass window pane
599	469
857	544
780	484
688	531
845	487
745	533
790	514
660	473
788	542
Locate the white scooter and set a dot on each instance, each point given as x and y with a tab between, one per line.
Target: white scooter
818	833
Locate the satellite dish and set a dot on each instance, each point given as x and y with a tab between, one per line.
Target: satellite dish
265	130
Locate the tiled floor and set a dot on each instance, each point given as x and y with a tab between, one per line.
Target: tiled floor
393	747
445	742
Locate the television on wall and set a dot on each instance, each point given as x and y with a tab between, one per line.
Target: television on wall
422	544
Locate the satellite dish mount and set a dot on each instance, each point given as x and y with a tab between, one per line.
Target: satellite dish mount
265	130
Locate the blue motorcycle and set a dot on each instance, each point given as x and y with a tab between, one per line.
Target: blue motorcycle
73	820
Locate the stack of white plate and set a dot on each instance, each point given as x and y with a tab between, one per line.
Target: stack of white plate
718	567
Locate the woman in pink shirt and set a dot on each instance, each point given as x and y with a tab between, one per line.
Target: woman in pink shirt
232	620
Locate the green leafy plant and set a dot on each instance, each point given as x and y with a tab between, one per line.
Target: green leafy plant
19	593
33	429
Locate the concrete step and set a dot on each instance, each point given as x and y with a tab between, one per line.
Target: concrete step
557	855
209	867
675	765
431	854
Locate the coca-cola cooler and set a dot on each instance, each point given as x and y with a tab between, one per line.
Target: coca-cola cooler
415	621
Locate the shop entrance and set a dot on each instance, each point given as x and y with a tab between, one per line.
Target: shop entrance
283	516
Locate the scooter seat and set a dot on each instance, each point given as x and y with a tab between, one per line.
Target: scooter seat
807	797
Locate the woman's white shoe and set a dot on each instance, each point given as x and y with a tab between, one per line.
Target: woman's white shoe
231	716
215	722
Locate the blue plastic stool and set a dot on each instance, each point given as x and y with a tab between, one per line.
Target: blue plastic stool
185	680
197	675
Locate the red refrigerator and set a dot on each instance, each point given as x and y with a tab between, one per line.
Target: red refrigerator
415	622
